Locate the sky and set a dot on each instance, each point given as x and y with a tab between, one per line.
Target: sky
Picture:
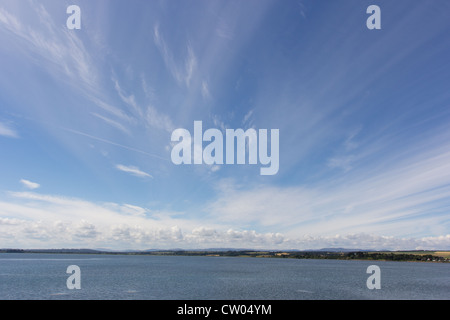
87	115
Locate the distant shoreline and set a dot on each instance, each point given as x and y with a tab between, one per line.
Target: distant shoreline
410	256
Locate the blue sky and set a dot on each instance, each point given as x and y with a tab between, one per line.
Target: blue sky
86	118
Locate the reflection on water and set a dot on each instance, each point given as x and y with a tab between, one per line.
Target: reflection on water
43	276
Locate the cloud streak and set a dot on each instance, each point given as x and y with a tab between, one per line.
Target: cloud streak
405	200
62	51
182	72
30	185
115	144
133	170
7	131
112	123
64	55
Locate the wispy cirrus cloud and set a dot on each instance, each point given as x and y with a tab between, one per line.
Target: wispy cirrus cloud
112	123
150	115
158	120
342	162
7	131
181	71
129	100
205	91
133	170
64	54
407	199
29	184
224	29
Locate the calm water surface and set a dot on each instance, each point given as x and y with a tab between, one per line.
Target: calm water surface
43	276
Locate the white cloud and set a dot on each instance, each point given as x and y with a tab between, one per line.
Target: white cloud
159	120
150	115
129	100
111	109
350	142
148	90
7	131
247	116
30	185
10	22
111	122
128	209
10	221
369	241
218	123
56	221
86	230
408	199
302	9
205	91
133	170
344	162
224	30
182	73
347	160
61	52
44	221
215	168
191	65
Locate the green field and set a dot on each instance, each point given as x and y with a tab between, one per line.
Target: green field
445	254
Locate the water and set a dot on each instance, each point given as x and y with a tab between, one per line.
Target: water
43	276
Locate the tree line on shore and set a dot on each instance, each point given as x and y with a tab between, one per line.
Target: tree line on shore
350	255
